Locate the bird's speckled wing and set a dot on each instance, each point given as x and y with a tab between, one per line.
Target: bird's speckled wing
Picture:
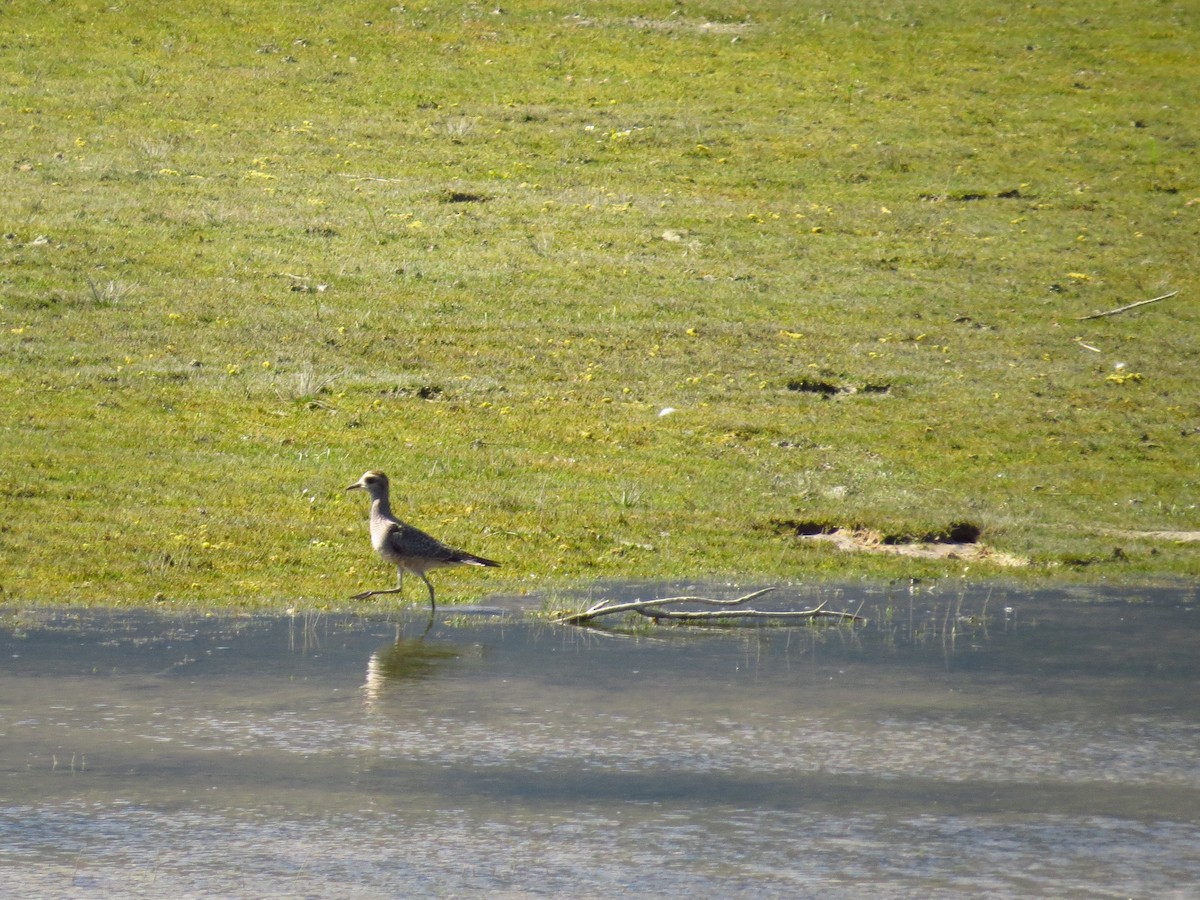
409	542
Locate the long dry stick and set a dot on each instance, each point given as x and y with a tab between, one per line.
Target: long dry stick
653	609
1125	308
372	178
604	608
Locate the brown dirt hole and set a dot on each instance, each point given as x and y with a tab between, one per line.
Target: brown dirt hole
805	385
957	541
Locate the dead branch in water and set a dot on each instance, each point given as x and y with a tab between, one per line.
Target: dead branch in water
654	609
1125	308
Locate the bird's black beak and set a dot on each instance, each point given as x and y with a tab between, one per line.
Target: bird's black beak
357	486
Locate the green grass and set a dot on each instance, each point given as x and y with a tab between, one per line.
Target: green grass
254	250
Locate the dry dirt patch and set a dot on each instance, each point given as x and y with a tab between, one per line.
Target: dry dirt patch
1179	537
959	541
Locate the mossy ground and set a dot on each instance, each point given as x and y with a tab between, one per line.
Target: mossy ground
255	249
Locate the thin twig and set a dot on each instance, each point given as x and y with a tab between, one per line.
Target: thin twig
371	178
653	609
1125	308
603	608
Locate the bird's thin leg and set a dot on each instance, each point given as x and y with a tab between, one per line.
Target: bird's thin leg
365	594
398	589
429	584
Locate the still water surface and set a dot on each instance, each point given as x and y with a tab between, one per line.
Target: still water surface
993	741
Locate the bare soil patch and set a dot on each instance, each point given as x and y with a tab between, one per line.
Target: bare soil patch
958	541
1179	537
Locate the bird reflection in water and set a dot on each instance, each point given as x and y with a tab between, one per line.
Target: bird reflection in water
405	659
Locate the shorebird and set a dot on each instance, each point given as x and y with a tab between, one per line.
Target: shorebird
407	548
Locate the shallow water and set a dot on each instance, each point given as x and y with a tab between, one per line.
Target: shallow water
990	741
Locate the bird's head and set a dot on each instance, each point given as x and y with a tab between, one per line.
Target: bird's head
373	482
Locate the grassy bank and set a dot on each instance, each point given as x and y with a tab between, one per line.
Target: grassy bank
253	251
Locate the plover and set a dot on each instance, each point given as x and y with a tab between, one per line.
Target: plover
407	548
